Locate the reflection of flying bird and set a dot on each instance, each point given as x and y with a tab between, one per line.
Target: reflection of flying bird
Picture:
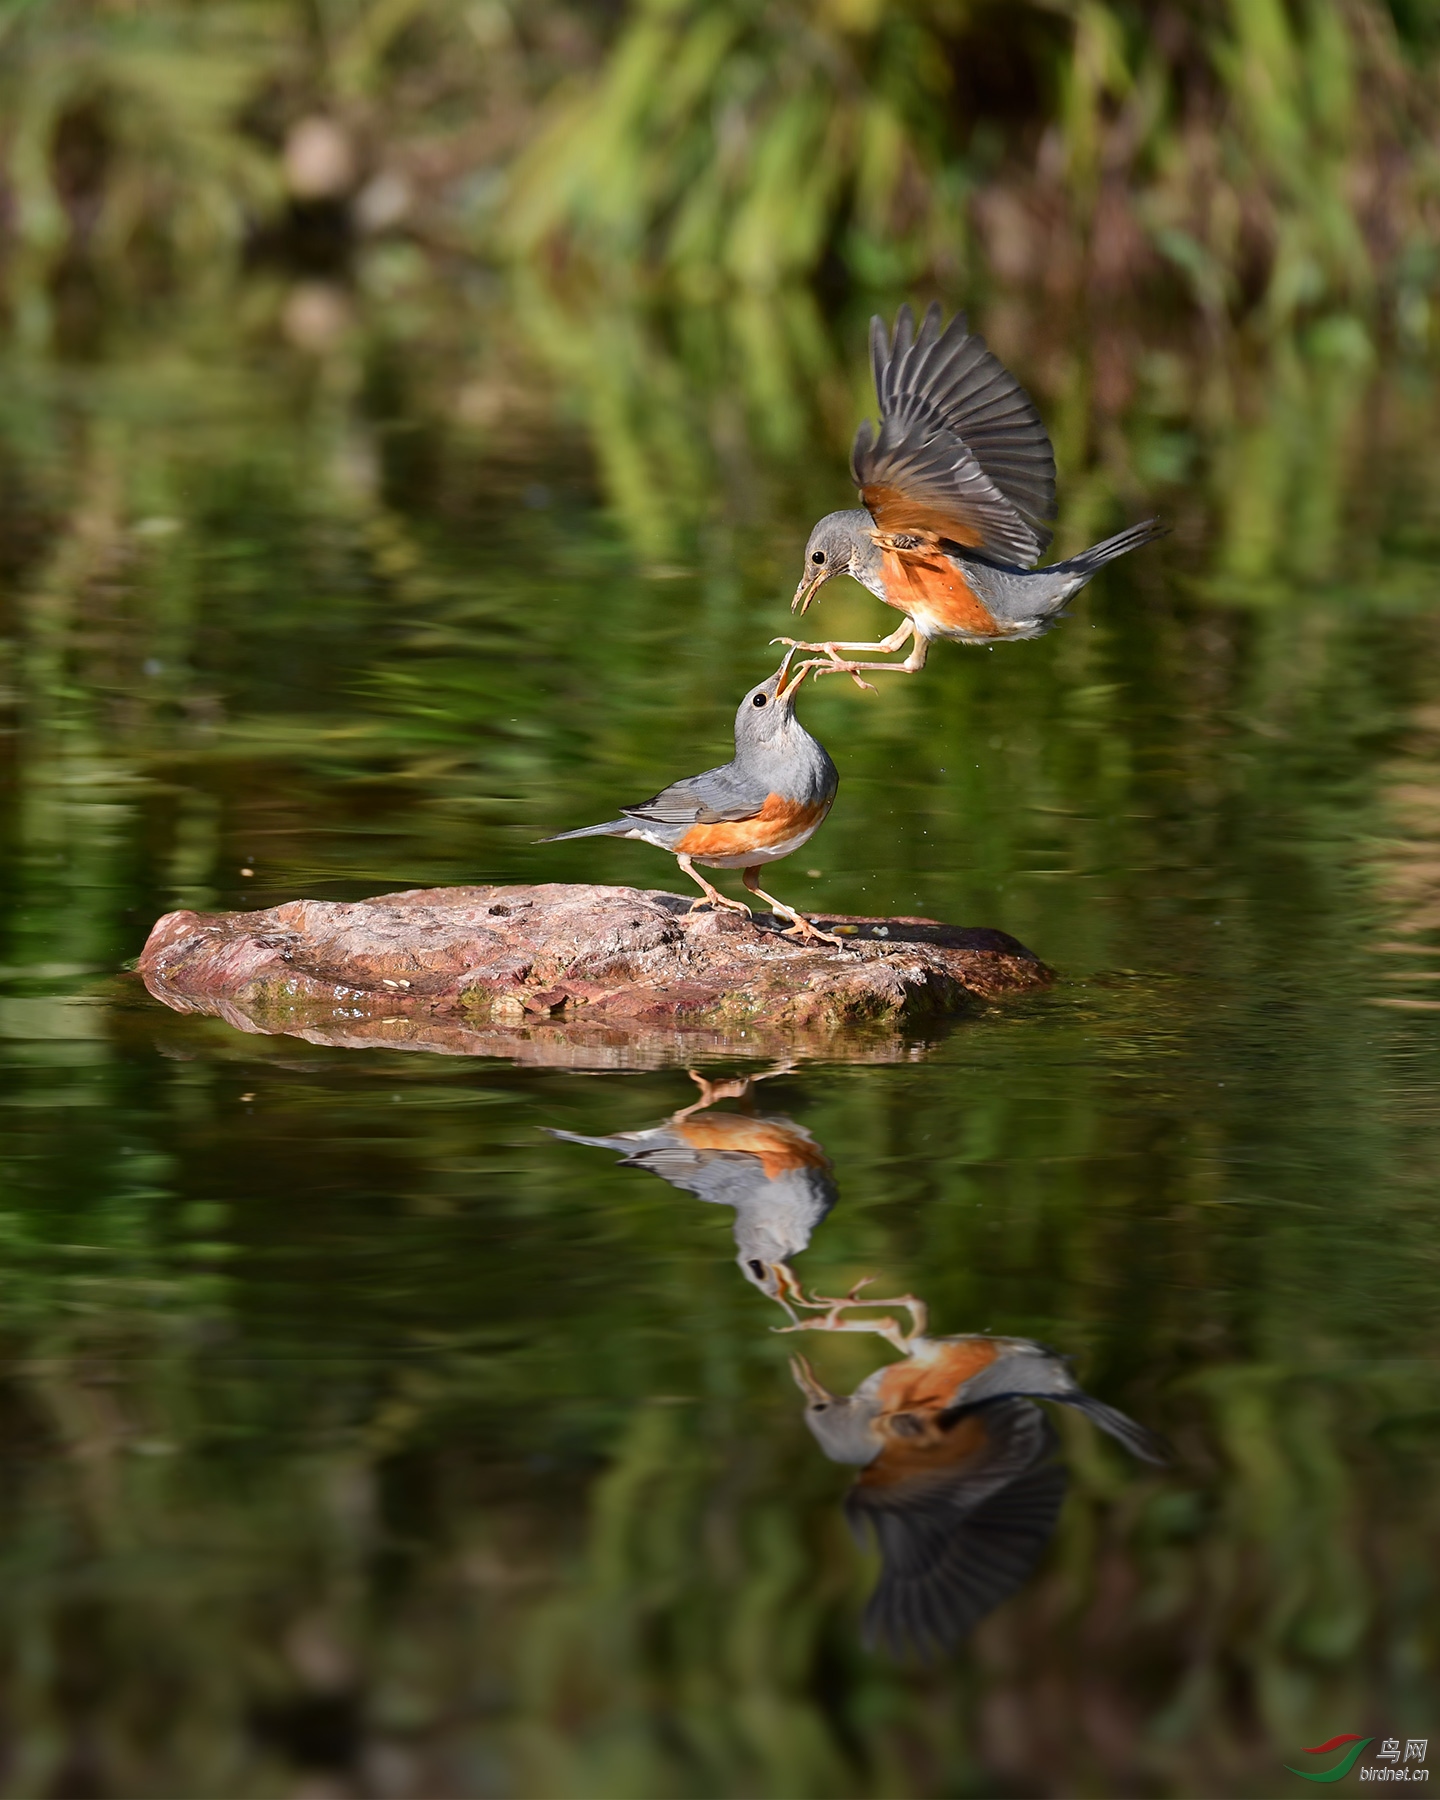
766	802
958	488
767	1167
957	1479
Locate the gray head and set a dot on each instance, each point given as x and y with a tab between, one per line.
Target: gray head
841	1424
767	713
835	540
776	1221
764	1272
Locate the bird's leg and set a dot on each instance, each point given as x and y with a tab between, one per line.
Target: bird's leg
913	662
713	896
801	927
732	1088
888	645
887	1328
834	1309
833	664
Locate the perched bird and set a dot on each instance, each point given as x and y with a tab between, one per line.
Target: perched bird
764	804
958	1479
958	489
777	1178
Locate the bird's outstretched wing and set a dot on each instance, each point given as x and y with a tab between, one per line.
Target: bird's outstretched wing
961	452
957	1541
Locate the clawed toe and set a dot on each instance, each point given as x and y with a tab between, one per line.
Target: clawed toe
837	667
805	933
723	900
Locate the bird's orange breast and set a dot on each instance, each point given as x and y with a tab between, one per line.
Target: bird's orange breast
777	821
934	591
779	1148
929	1383
913	1397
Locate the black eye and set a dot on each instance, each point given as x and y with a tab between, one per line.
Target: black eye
820	1407
757	1269
759	700
817	556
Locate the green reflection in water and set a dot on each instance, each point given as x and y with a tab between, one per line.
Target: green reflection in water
361	1434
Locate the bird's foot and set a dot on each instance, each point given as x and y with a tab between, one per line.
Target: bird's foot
837	665
806	933
734	1087
835	1310
722	900
799	926
832	664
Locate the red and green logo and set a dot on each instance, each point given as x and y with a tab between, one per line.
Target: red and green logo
1346	1762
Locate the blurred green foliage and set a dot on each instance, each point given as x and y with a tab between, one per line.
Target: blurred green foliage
1252	159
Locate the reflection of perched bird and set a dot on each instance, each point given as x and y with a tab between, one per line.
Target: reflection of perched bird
957	489
767	1167
759	807
957	1481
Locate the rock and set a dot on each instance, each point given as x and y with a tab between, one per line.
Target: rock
580	969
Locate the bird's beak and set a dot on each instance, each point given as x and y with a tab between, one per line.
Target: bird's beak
787	691
807	1382
787	1289
805	593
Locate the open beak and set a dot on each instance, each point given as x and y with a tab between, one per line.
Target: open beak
808	1384
787	1289
806	591
787	689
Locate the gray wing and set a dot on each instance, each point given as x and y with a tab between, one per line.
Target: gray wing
708	799
961	450
1040	1374
953	1546
726	1177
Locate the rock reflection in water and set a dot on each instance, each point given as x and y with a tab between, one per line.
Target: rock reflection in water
959	1481
767	1167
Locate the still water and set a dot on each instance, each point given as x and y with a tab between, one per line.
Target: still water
366	1434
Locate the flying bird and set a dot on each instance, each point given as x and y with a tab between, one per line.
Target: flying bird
958	491
958	1479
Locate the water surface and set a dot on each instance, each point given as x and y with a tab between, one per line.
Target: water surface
363	1437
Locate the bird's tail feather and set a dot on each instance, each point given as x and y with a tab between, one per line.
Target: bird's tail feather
1138	1439
611	828
1131	538
575	1137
